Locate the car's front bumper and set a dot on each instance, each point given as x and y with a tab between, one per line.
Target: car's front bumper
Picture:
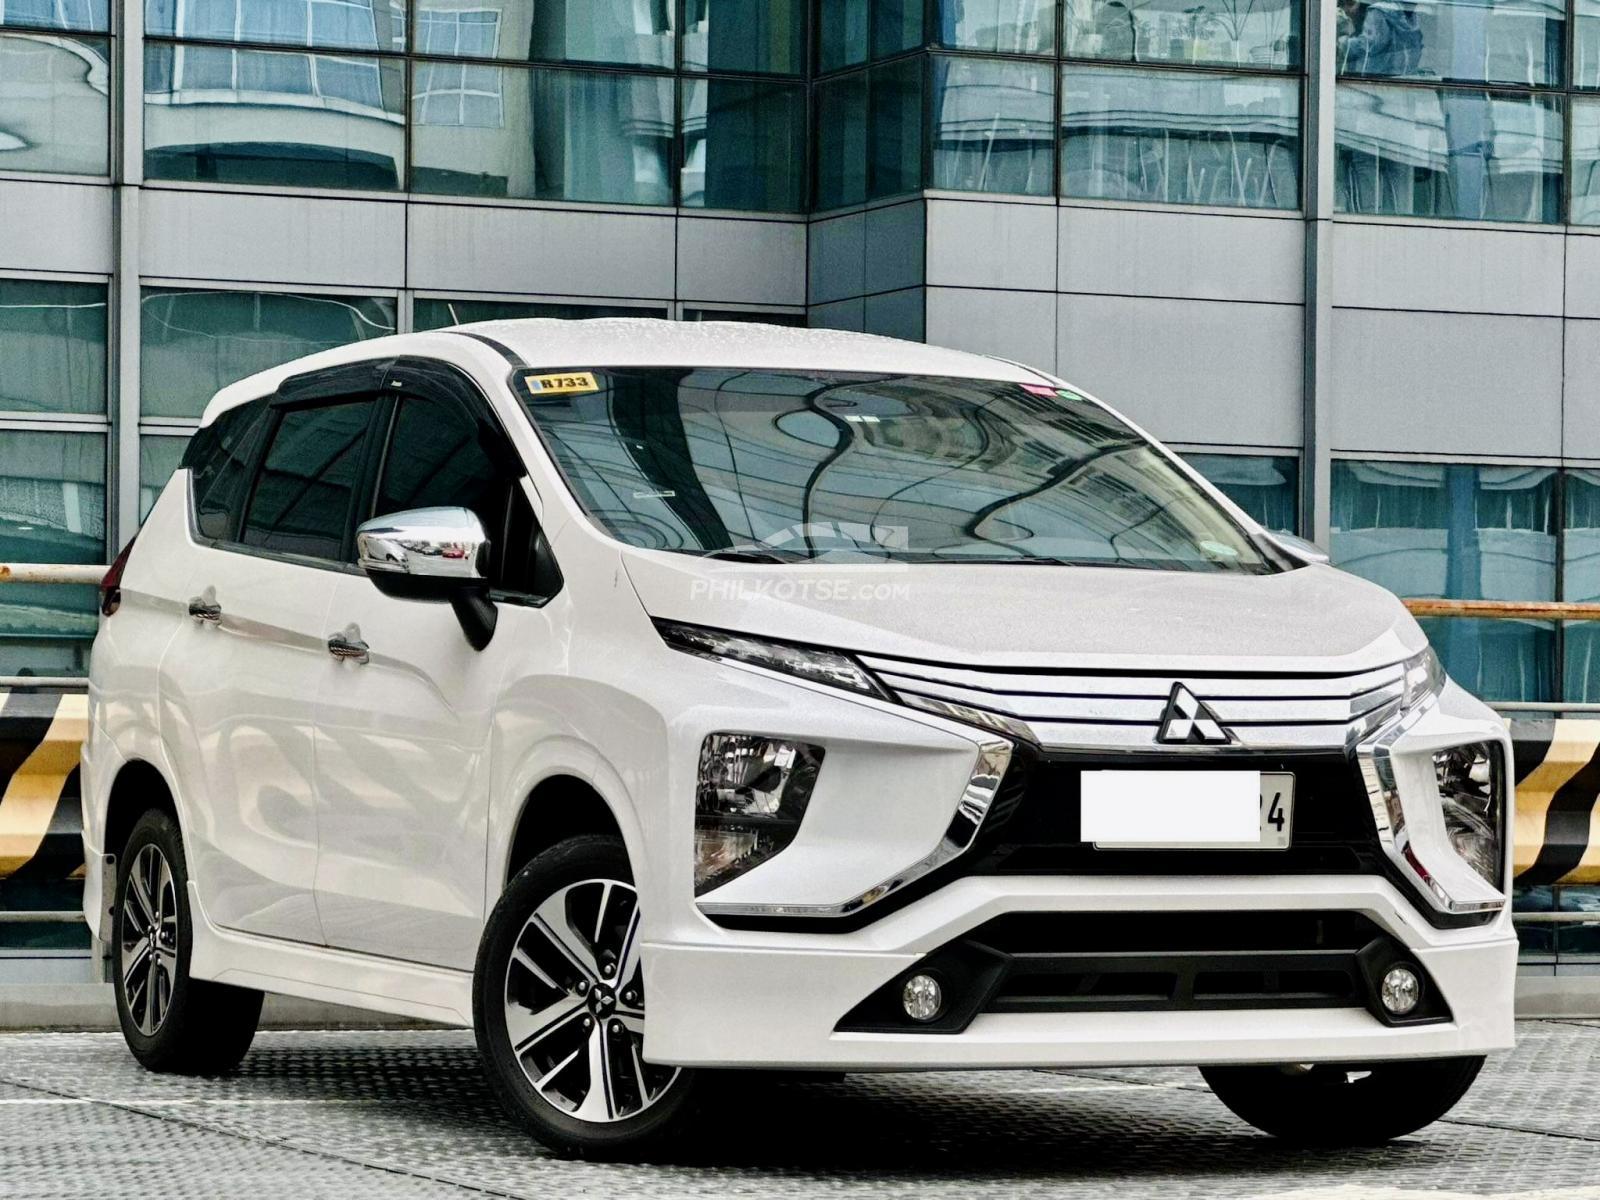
775	999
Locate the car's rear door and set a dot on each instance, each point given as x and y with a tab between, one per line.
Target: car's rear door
238	679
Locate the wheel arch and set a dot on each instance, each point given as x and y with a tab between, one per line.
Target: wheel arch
139	787
560	806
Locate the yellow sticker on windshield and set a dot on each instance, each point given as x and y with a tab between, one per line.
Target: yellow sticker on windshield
554	385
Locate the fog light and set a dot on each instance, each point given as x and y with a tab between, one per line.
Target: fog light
922	998
1401	990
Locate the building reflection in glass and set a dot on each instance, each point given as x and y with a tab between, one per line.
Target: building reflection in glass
1466	532
1230	33
54	103
1448	152
1180	137
993	125
221	115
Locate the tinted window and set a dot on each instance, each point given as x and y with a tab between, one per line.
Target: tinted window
308	478
219	457
438	458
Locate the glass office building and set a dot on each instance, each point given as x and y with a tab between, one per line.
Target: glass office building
1342	254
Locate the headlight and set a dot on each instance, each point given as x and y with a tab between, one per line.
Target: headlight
1470	791
805	662
751	794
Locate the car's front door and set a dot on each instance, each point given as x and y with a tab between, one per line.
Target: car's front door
404	730
237	678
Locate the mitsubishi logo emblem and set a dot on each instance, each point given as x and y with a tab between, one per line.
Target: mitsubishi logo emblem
1187	721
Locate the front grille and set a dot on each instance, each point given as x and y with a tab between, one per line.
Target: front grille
1154	962
1036	830
1122	710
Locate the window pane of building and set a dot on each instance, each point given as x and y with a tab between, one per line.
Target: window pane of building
1585	161
438	313
841	133
1210	32
744	35
52	346
267	117
894	147
1465	532
1586	44
54	104
88	15
1181	138
52	510
1448	152
638	32
323	24
1580	565
744	145
158	459
1474	41
541	134
993	125
1000	26
842	33
1265	486
195	342
896	26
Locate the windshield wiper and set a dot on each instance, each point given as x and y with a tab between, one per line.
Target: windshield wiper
733	554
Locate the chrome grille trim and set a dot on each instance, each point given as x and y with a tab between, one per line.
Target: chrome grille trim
1124	711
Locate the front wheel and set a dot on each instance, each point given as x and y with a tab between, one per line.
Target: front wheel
559	1007
1328	1104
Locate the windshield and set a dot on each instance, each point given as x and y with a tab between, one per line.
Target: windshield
769	465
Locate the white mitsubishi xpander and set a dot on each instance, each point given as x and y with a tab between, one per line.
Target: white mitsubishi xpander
657	698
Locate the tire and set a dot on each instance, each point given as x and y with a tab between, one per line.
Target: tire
559	1012
172	1023
1330	1105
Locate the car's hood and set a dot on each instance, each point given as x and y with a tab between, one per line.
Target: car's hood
1311	619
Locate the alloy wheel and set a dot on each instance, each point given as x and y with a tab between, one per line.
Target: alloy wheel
574	1004
148	954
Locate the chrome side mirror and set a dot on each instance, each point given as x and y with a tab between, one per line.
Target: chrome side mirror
438	554
1296	547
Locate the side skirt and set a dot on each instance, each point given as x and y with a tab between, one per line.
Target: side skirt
383	985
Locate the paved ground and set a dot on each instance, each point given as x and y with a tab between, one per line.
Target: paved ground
402	1114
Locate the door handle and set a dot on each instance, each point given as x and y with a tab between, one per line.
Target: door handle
205	608
347	647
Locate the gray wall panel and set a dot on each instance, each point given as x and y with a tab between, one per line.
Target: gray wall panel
277	239
1581	428
1147	252
899	314
1015	325
1583	275
1447	383
894	247
741	262
1199	371
55	227
992	244
1450	270
840	314
836	254
541	251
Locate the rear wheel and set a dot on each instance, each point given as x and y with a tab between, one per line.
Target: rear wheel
170	1021
559	1007
1328	1104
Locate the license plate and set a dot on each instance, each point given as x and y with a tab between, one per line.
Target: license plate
1187	810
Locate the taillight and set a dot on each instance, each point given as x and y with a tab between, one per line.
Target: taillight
111	585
